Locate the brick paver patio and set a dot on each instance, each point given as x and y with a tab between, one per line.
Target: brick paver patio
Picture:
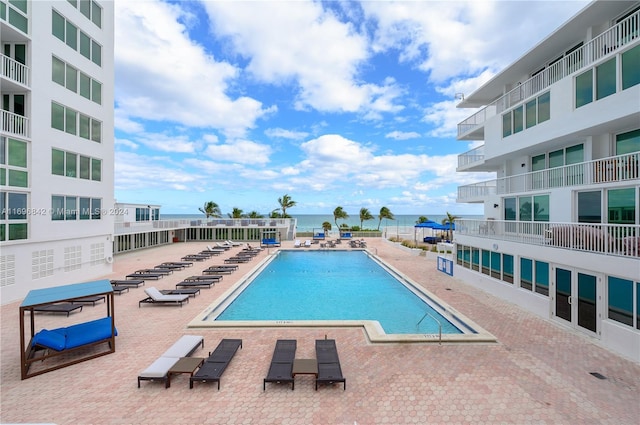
538	372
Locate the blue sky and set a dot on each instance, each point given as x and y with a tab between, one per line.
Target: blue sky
346	104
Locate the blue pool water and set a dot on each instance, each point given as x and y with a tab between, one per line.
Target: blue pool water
333	285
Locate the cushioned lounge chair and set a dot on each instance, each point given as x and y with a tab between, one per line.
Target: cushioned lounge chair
157	297
214	366
329	370
307	243
159	369
281	367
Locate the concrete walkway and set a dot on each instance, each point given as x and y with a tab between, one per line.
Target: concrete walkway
538	372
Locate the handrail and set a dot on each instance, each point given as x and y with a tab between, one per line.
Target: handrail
436	320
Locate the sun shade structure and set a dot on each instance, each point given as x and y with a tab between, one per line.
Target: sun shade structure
44	345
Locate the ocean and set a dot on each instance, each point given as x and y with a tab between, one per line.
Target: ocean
311	222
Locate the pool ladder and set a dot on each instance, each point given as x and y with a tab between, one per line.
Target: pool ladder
437	321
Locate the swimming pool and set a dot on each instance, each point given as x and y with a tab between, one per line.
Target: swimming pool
336	288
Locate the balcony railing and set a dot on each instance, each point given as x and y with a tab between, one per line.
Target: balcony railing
471	157
14	124
608	239
612	40
606	170
14	70
143	226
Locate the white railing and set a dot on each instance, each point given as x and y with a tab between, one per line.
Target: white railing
606	170
471	157
610	239
14	124
14	70
610	41
142	226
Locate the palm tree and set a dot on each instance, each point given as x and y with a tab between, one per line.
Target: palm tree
385	213
339	213
450	219
275	214
285	203
364	216
422	219
255	214
326	226
211	209
236	213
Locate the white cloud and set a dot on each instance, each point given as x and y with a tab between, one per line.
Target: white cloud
240	151
281	133
402	135
162	75
301	43
134	172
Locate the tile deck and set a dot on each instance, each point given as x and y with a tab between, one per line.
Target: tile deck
538	372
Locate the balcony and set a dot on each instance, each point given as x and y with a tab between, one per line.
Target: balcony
14	71
606	170
607	239
472	157
605	44
14	124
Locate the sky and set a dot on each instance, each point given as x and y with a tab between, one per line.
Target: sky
349	104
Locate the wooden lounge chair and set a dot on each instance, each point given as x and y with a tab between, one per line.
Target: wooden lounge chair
281	367
157	297
329	370
58	308
213	367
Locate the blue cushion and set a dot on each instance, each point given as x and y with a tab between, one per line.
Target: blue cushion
50	339
88	332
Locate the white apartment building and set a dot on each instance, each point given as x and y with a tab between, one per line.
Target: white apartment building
560	127
56	146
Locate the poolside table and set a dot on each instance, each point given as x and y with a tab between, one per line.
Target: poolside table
185	365
305	367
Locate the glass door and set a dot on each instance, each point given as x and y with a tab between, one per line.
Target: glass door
575	298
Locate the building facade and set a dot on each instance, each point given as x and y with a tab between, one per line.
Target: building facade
560	127
56	143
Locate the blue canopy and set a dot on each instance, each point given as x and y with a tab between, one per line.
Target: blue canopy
428	224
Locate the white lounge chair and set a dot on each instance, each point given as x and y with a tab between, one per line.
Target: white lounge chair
296	243
157	297
307	243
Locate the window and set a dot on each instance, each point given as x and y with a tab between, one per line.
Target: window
544	107
96	205
85	208
57	162
96	53
590	207
57	116
621	206
606	79
628	142
518	116
57	25
96	169
70	121
631	68
531	113
71	37
509	208
524	204
496	265
85	86
96	14
72	78
96	130
70	164
526	273
584	88
85	45
541	208
507	268
486	261
96	92
57	71
57	208
620	297
506	124
70	211
84	130
542	277
85	167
